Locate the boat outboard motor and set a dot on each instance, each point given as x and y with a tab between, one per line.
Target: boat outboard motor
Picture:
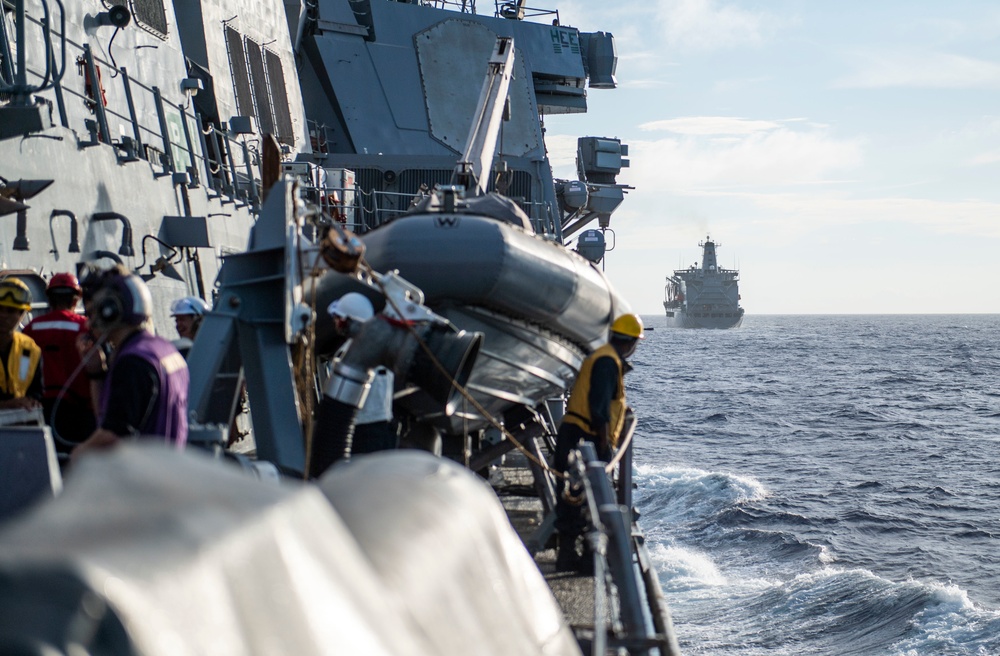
403	346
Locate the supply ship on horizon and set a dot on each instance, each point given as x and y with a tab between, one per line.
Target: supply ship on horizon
703	297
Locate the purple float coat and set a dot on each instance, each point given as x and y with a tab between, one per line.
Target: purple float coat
170	412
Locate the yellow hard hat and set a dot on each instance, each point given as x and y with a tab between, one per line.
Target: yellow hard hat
14	293
629	325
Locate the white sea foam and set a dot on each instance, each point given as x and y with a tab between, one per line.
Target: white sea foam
733	487
952	623
825	556
686	567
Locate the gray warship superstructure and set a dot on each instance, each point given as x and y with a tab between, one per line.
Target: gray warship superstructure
270	155
131	132
391	90
705	296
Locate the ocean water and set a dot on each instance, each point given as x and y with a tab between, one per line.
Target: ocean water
824	484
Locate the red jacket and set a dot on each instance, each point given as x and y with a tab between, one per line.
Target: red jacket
56	333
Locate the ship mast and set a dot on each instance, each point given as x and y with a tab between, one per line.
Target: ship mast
708	259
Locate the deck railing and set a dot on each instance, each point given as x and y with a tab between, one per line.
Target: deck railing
180	141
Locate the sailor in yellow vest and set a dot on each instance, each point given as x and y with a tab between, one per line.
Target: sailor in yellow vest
595	412
21	373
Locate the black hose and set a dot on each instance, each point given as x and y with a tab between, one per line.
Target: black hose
333	435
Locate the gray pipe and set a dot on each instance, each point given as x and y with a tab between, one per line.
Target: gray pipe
378	342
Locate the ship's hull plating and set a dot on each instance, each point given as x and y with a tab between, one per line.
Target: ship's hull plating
677	318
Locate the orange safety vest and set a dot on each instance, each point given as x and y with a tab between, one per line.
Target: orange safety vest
578	406
16	377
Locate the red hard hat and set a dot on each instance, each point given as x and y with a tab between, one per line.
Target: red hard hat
64	281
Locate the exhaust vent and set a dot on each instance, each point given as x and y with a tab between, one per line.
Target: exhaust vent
241	76
284	131
258	81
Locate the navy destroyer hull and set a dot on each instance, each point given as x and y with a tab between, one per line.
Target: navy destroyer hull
123	150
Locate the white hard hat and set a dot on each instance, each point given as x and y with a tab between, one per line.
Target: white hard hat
189	305
352	305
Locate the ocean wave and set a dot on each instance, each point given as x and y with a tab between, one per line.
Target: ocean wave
770	515
865	437
690	500
854	611
899	379
951	624
879	520
780	545
833	610
685	569
700	484
857	414
938	492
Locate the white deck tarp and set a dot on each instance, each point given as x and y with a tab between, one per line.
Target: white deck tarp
440	540
196	558
159	553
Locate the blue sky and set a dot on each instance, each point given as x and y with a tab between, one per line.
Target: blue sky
846	155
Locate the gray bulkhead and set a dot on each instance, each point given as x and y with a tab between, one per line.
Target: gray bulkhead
391	87
144	172
215	34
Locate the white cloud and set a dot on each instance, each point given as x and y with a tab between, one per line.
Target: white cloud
960	217
710	125
754	153
925	70
985	159
709	25
562	154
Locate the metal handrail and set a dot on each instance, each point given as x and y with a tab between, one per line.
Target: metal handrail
463	6
645	621
223	178
204	158
20	88
369	211
513	10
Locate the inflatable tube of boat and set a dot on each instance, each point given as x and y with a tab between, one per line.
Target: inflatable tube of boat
470	259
